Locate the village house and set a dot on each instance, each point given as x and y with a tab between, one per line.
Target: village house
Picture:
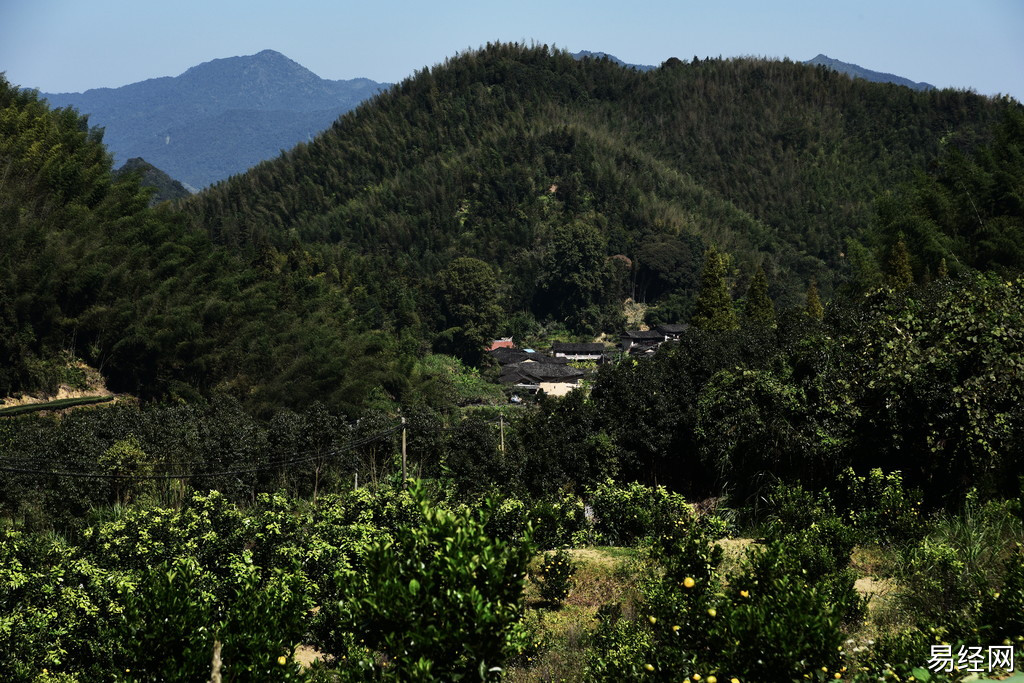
588	352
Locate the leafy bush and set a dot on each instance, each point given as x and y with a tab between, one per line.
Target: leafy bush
1003	611
953	573
879	506
173	618
625	515
558	521
442	601
53	602
776	623
619	648
554	577
769	621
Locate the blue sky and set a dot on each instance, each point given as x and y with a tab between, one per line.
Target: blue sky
73	45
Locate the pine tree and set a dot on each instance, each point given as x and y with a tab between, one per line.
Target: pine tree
814	309
901	276
759	308
713	308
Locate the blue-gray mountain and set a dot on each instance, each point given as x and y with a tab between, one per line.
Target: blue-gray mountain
852	70
855	71
218	118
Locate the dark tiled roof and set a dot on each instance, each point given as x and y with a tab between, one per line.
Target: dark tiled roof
589	349
540	372
640	335
674	328
506	356
510	356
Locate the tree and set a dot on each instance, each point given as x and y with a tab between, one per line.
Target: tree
468	292
813	308
713	308
576	277
901	275
759	309
126	459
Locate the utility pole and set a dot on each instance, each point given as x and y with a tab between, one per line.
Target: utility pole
501	427
404	482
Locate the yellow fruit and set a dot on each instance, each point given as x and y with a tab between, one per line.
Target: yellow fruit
745	594
649	667
653	620
712	612
689	582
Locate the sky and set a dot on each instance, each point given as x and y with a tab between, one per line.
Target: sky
74	45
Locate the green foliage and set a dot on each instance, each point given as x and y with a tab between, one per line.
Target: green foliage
554	577
771	622
813	307
54	602
759	309
442	601
172	619
788	625
901	275
126	459
967	213
576	278
951	577
625	515
880	507
1002	612
468	293
713	308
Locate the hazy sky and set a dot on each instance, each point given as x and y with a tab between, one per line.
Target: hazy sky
73	45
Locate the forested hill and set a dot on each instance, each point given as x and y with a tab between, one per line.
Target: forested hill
89	271
220	117
502	152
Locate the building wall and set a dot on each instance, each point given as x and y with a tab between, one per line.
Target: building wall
557	388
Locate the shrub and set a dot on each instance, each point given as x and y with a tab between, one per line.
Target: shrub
442	601
619	648
625	515
554	577
951	575
775	623
879	506
558	521
172	620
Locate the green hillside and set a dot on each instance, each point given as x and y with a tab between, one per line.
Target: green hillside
86	267
491	154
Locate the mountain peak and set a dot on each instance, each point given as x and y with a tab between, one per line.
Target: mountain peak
856	71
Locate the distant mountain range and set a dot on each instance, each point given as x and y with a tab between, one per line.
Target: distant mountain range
852	70
855	71
218	118
598	55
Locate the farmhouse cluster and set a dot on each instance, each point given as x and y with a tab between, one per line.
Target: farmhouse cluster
530	371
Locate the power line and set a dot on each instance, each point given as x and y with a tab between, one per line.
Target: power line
224	473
